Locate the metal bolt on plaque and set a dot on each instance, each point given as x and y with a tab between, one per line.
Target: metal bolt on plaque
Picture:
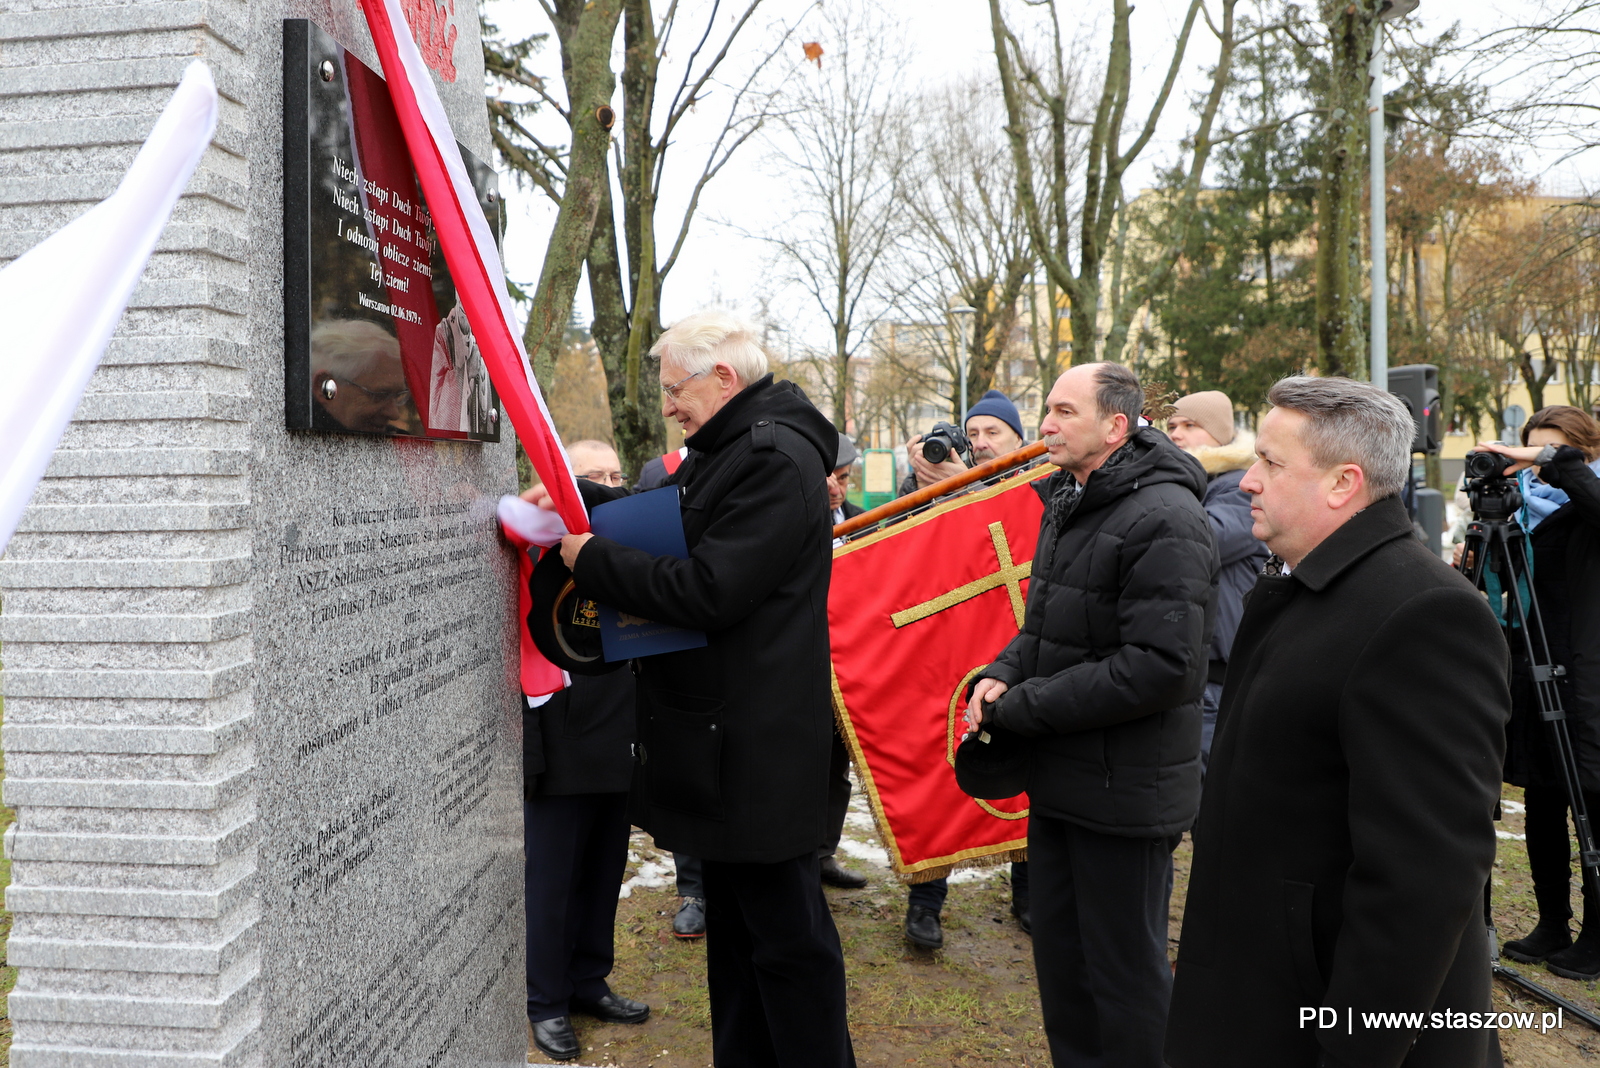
330	388
326	70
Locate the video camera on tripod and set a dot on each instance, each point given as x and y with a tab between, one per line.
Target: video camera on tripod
1497	559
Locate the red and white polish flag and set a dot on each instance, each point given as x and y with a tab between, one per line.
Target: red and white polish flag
469	251
474	262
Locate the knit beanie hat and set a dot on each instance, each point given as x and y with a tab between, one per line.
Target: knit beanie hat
1212	411
847	453
998	405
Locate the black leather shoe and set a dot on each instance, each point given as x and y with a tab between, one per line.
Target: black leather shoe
690	922
923	928
844	879
555	1038
1019	909
1546	938
614	1008
1581	960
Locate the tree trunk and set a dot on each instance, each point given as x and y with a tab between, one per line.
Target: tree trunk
1341	338
586	67
636	429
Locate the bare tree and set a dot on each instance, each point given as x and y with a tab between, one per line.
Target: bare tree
847	159
966	240
724	92
1042	92
575	178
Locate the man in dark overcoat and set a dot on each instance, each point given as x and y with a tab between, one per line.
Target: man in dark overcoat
734	737
1104	681
1346	833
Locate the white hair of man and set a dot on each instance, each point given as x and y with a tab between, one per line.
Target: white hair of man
1350	422
700	341
349	348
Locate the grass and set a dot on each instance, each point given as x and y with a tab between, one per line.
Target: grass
974	1002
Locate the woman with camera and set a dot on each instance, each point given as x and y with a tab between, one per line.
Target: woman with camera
1560	481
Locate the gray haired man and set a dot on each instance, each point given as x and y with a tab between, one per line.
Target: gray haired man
1346	832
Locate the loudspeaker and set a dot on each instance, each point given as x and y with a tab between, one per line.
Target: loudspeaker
1418	385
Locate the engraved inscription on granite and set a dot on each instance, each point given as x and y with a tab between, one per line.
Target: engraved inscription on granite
390	773
375	340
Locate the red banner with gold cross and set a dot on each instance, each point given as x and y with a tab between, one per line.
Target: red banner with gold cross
915	611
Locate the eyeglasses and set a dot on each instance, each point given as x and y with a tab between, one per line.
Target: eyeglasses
672	390
605	478
378	396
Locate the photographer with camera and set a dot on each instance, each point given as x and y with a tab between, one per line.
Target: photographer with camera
1558	467
993	427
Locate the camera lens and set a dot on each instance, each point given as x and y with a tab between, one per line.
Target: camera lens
1486	464
935	450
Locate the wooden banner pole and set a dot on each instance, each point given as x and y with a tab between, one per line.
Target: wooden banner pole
921	497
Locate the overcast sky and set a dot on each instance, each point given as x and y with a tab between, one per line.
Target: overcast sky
948	39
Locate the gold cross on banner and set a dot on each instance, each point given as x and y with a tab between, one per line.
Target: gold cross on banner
1010	576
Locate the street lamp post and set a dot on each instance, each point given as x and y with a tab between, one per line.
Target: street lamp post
1388	11
963	316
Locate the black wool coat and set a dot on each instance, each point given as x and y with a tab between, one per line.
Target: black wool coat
734	738
1566	576
581	740
1107	672
1347	829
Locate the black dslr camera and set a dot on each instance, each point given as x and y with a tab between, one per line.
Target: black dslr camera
942	440
1494	494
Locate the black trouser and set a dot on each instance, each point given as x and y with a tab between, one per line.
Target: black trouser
1099	915
774	967
931	894
838	794
691	879
1550	853
577	850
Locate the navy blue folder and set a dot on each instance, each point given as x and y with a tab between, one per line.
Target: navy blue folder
652	522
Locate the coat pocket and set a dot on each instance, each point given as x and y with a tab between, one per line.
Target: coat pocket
684	765
1297	917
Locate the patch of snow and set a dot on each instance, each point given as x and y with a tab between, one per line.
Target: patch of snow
876	854
651	873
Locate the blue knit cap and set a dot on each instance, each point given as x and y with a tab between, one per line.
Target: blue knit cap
998	405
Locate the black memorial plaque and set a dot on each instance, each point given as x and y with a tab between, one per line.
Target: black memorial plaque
375	340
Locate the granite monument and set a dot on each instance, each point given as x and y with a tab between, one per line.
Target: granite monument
261	711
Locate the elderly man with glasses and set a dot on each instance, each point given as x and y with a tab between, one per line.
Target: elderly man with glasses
734	737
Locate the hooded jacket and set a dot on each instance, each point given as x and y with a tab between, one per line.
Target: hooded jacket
1240	554
734	737
1107	672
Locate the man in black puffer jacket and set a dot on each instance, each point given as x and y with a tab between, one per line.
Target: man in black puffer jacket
1105	679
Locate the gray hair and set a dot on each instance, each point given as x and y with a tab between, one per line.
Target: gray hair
1352	423
349	348
703	340
1117	391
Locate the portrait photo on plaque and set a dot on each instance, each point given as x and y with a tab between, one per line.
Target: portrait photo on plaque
375	339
